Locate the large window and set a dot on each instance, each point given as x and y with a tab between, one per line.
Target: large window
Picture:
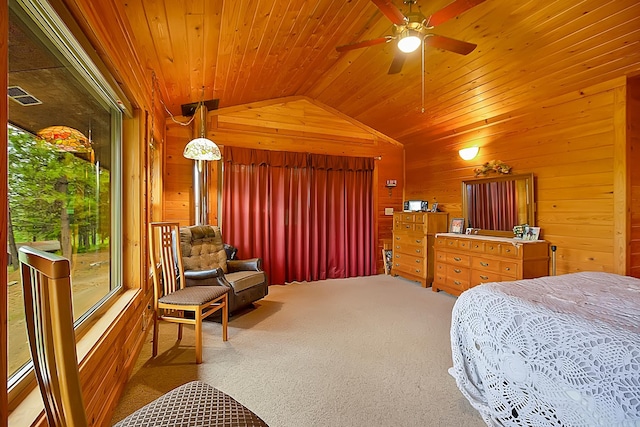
63	143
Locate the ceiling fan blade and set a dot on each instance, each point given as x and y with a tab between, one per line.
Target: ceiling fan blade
364	43
390	11
452	45
451	11
397	63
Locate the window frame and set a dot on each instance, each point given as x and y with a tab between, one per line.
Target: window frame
46	20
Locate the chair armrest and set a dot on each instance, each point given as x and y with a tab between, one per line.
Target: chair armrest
252	264
203	274
214	277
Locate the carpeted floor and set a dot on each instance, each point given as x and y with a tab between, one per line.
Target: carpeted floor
370	351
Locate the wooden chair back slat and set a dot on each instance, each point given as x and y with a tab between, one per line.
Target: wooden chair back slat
46	284
165	257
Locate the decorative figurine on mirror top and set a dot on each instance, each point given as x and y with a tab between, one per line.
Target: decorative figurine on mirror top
497	166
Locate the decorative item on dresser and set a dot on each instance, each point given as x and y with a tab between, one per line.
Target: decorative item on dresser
413	237
464	261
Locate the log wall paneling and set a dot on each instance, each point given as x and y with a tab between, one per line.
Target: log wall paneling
633	129
390	166
177	177
574	147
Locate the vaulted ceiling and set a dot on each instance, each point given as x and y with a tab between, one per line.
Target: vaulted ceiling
241	51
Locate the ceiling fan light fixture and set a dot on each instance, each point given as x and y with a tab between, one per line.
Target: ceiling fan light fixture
409	41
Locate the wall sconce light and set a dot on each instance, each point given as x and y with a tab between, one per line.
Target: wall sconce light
469	153
391	184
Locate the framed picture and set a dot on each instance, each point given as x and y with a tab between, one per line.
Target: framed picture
531	233
434	207
457	226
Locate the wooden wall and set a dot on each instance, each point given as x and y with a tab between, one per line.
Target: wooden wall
177	176
633	129
288	124
576	147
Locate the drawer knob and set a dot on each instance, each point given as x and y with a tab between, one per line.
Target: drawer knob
484	277
397	256
457	270
398	238
417	270
457	282
507	250
418	241
476	246
457	259
418	261
418	251
397	246
484	264
507	268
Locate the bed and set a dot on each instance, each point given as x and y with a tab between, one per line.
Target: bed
551	351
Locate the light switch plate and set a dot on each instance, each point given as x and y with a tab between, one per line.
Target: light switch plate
388	211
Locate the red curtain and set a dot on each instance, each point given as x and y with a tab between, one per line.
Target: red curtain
493	205
309	217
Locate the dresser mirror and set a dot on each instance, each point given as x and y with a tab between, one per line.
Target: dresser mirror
495	205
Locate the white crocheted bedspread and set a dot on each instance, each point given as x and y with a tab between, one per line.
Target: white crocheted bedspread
552	351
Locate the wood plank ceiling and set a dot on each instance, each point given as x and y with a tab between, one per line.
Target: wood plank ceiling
242	51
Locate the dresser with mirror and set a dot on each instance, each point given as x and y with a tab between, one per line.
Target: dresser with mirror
491	208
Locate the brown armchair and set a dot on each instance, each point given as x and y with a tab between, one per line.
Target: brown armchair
205	263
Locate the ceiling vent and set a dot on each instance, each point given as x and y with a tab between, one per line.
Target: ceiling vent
21	96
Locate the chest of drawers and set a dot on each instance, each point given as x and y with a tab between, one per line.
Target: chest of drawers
413	237
462	261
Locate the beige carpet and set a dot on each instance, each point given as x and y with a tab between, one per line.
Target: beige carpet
356	352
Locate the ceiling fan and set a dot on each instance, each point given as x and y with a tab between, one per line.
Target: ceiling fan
412	29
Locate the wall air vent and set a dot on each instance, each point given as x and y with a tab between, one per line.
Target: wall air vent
21	96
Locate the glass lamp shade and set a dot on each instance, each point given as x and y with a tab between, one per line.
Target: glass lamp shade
202	149
409	43
469	153
65	138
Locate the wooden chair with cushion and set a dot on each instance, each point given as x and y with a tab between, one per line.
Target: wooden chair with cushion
172	299
49	316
